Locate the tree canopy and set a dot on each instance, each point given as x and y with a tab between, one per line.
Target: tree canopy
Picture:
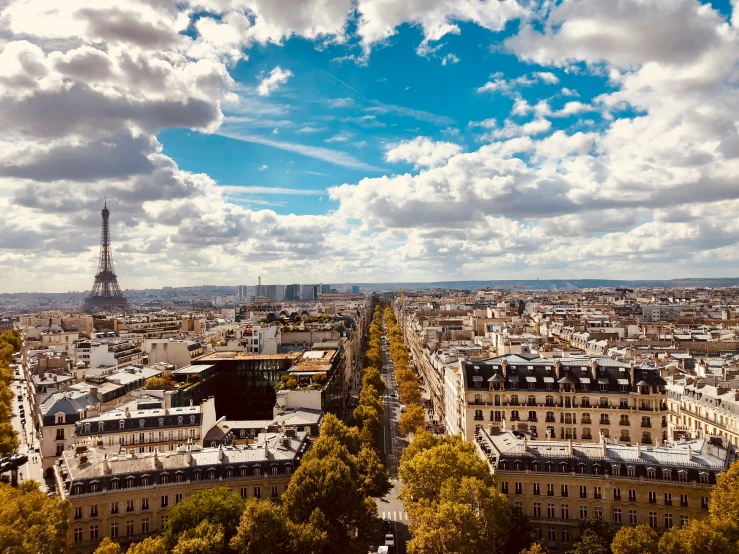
641	539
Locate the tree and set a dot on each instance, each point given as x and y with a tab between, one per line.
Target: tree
413	420
31	521
521	534
589	543
218	506
368	417
409	393
370	397
697	537
151	545
599	527
206	538
6	353
535	548
375	478
724	505
8	439
641	539
108	546
426	470
262	529
12	337
371	377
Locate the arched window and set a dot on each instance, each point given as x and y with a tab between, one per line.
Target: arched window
94	486
101	427
242	471
179	477
164	479
122	424
86	430
180	419
130	482
114	484
564	467
198	475
288	469
145	480
242	434
161	422
257	471
211	474
517	465
142	423
229	473
192	420
597	469
550	467
274	470
535	466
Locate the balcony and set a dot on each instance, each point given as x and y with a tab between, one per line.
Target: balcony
646	424
550	420
625	438
586	421
587	437
605	421
479	418
624	422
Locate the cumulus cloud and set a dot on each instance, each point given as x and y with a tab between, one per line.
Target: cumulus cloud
422	152
271	82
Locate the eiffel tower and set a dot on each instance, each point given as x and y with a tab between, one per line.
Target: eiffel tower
105	294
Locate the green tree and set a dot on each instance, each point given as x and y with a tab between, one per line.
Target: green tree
6	353
8	439
413	420
641	539
375	478
152	545
32	522
12	337
368	417
521	535
218	505
206	538
107	546
697	537
597	526
347	436
724	505
590	543
426	470
370	397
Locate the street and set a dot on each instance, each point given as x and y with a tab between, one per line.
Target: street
391	448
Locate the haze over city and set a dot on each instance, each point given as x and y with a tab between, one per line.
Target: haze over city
367	141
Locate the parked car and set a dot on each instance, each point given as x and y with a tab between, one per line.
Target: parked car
387	525
389	539
402	408
382	550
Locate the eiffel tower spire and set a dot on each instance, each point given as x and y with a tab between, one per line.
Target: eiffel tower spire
105	294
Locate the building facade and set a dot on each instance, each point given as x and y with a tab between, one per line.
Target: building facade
126	497
558	483
565	398
699	408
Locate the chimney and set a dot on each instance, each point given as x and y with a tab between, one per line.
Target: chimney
128	413
504	365
569	447
106	464
632	373
557	369
638	450
690	453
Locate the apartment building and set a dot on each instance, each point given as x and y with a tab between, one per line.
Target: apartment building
126	496
565	398
558	483
698	408
144	425
56	418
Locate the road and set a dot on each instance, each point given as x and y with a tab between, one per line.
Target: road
391	447
26	432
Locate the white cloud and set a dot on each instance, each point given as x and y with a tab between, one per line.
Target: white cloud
498	83
342	103
449	59
270	83
569	92
422	152
263	167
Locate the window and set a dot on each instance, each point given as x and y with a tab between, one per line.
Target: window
94	510
550	489
114	484
244	493
585	402
565	511
537	509
94	532
537	531
668	521
504	487
161	422
632	495
257	471
192	420
129	527
129	505
668	499
275	492
652	497
114	507
566	536
684	500
165	501
596	492
78	534
78	513
144	504
598	511
703	477
180	419
684	521
583	491
142	423
519	488
257	492
145	525
59	449
633	520
178	498
653	520
704	502
550	511
651	473
537	490
583	512
551	535
114	530
617	515
101	427
60	434
617	494
564	490
163	522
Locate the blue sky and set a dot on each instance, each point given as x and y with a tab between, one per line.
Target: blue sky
368	140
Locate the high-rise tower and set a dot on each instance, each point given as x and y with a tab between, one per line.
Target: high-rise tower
105	294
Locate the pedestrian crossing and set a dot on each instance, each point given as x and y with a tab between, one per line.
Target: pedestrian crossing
394	516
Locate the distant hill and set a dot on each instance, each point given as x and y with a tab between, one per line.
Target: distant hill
556	284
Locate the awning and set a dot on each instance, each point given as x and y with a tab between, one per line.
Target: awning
622	381
531	379
549	379
585	380
602	381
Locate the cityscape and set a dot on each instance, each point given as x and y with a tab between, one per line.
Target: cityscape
369	277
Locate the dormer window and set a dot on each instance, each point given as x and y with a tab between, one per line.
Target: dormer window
142	423
101	427
192	420
87	429
531	369
122	424
180	419
161	422
60	419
